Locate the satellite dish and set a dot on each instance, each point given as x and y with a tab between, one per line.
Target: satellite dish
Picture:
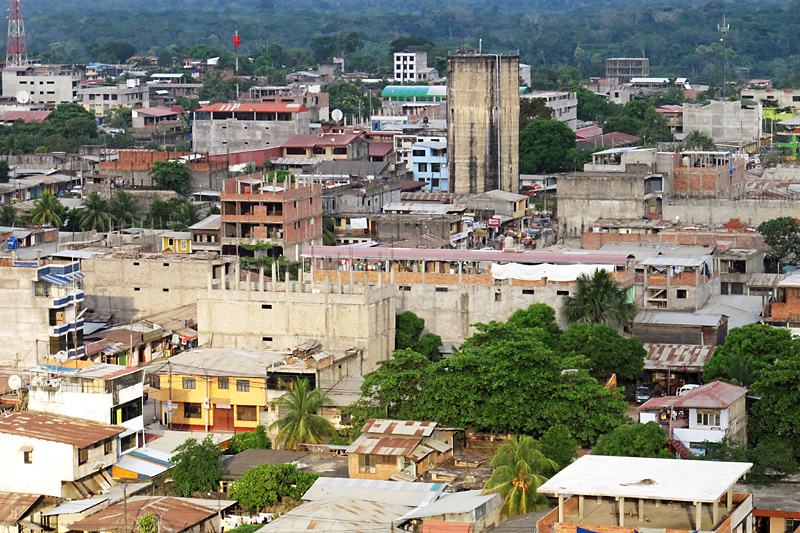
14	382
337	115
60	356
23	97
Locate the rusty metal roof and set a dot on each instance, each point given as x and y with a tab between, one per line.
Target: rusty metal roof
56	428
419	453
717	394
687	357
399	427
177	514
339	514
383	445
14	506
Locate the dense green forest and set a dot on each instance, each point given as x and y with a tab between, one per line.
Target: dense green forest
679	37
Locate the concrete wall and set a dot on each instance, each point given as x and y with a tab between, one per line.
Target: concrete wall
587	196
221	136
722	239
89	406
368	199
134	168
720	210
724	121
483	122
126	285
285	315
43	88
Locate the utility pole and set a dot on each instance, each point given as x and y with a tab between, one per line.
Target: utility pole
236	42
723	29
125	507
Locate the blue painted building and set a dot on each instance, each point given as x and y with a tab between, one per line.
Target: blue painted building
429	161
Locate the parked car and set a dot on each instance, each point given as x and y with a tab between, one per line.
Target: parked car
642	394
686	389
76	190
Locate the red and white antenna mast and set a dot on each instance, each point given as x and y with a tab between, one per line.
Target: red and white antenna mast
16	48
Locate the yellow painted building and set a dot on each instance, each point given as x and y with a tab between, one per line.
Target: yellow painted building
231	389
179	242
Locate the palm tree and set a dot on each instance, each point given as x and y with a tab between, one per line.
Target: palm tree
520	468
599	299
47	211
739	368
95	213
8	215
302	423
124	208
696	140
189	214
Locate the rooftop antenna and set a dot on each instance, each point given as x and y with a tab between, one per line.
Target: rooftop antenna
723	29
16	48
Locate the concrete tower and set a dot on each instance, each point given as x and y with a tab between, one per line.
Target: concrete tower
483	122
16	48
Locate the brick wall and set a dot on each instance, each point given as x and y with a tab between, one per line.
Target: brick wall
722	240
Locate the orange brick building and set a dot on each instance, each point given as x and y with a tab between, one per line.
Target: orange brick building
134	167
709	175
288	216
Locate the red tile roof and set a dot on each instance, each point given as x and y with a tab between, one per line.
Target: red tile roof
25	116
329	139
79	433
380	149
607	140
590	131
273	107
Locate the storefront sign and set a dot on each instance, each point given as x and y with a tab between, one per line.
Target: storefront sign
493	222
153	335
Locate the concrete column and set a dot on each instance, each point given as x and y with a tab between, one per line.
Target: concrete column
641	509
729	499
658	503
260	278
339	282
715	512
748	527
698	516
460	265
274	278
580	507
423	272
561	508
621	512
287	283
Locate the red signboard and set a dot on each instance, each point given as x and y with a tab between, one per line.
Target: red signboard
494	222
236	40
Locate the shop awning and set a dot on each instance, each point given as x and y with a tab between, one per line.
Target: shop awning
55	280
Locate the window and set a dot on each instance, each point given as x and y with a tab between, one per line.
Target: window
108	446
164	290
366	463
562	293
266	306
423	167
27	457
266	339
706	418
191	410
405	288
436	167
441	289
222	383
155	381
682	294
246	413
83	456
136	289
243	385
41	288
418	153
188	383
791	524
528	291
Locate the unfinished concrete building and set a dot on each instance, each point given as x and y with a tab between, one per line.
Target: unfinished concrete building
483	122
626	68
709	175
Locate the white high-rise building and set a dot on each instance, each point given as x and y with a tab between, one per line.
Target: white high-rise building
411	67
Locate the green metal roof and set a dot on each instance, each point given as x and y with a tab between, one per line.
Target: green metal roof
414	90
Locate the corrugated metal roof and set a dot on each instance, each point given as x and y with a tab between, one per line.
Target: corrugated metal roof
158	111
211	222
504	195
588	132
176	514
339	514
14	506
139	466
663	260
399	427
373	490
716	394
793	280
79	433
76	506
392	446
433	196
235	362
673	318
414	90
763	279
25	116
438	445
428	209
454	503
419	254
686	357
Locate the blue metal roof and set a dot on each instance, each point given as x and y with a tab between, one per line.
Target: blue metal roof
414	90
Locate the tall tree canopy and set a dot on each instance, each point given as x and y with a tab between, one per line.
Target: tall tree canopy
600	299
268	484
408	334
746	352
607	352
635	440
546	146
172	176
782	235
196	467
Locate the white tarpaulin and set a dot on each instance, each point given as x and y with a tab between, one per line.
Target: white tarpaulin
358	223
545	270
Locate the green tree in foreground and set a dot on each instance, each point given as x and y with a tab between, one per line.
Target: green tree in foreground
124	208
519	469
8	215
172	176
302	424
147	523
246	528
746	352
558	444
531	109
247	440
600	299
196	467
782	235
772	459
269	484
635	440
607	352
47	211
408	334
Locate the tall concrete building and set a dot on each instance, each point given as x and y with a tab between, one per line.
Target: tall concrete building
483	122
